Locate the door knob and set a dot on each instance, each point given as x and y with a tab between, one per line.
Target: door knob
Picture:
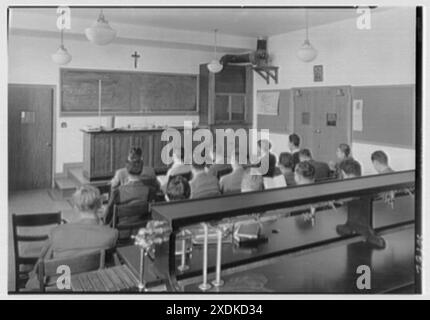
48	144
317	131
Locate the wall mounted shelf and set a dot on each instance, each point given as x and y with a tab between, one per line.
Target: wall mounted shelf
268	72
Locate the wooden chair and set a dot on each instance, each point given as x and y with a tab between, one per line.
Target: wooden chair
128	218
21	260
47	269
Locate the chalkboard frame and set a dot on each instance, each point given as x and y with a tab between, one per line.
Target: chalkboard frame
80	113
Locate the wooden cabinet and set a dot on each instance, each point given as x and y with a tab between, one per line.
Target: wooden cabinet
106	152
226	98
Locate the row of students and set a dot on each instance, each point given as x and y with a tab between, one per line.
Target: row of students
135	182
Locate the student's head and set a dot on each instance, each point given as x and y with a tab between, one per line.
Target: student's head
87	199
264	145
178	188
350	168
379	160
304	173
135	153
134	167
286	162
252	181
305	155
293	141
343	151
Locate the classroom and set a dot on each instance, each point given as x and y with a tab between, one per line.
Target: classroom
213	150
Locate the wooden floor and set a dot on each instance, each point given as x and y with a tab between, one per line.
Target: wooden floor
27	202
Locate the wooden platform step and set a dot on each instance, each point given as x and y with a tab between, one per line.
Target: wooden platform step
66	186
76	174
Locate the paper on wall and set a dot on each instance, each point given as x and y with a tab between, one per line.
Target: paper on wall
357	115
267	102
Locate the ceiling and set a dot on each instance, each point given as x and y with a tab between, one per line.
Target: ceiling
249	22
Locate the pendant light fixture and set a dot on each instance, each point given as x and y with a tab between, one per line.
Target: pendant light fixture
307	52
62	56
100	32
214	66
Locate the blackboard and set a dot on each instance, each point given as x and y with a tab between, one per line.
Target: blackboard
282	123
388	115
125	92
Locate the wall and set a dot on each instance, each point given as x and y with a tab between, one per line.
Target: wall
30	62
350	57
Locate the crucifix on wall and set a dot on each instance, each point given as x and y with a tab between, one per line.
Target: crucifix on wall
135	56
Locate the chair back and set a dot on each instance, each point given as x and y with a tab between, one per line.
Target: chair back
129	217
48	270
29	221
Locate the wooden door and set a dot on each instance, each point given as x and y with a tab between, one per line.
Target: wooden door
334	122
30	136
322	119
304	118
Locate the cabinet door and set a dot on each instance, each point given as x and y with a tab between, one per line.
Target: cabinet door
143	140
121	147
157	147
232	79
101	158
237	108
222	108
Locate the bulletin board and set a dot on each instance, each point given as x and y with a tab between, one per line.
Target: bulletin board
280	123
388	115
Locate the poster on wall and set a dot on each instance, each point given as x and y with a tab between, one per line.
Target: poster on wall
268	103
357	115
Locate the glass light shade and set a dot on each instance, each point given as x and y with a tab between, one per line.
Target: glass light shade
307	52
100	33
61	56
214	66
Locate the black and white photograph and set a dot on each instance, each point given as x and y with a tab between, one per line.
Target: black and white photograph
258	150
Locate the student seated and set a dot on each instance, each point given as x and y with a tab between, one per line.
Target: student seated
350	168
342	152
267	159
231	182
286	165
252	181
380	162
178	188
148	173
134	189
203	184
322	170
294	146
304	173
85	234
